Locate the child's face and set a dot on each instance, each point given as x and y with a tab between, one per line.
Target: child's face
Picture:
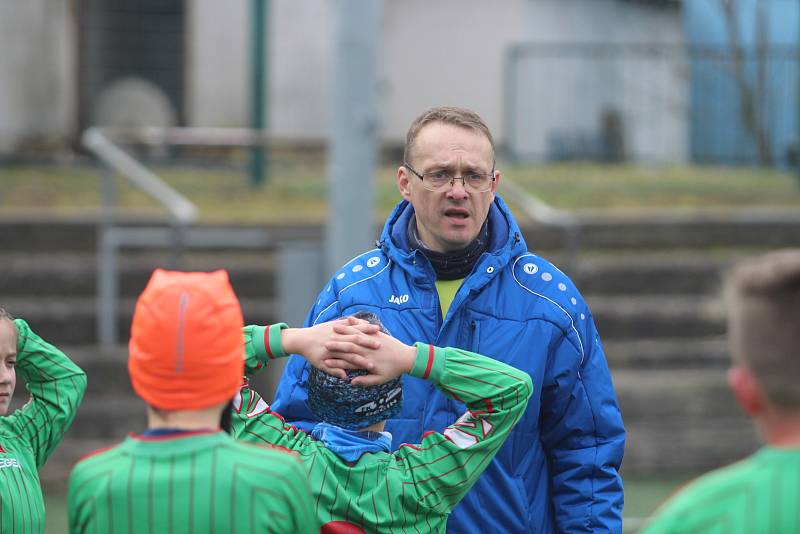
8	363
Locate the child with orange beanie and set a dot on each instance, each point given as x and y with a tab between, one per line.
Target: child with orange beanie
184	474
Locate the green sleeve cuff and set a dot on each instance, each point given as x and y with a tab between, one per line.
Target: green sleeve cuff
429	364
266	341
272	336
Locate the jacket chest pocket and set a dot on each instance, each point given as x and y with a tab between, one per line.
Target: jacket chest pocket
474	335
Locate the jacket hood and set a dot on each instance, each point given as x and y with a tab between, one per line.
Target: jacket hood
505	239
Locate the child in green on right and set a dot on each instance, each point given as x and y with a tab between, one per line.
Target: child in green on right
760	494
358	483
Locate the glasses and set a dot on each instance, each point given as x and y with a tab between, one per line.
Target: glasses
442	180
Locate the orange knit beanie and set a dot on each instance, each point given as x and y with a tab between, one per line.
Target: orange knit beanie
187	349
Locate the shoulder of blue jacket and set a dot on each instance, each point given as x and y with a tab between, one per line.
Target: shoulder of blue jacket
360	269
540	279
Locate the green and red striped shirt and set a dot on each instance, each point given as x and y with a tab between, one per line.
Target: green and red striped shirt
194	483
759	495
30	435
415	488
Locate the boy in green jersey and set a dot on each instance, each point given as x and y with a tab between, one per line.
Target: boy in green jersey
184	474
30	435
761	494
358	483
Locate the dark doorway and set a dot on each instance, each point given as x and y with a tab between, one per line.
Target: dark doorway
140	39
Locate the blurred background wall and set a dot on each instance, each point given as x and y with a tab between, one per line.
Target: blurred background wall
174	62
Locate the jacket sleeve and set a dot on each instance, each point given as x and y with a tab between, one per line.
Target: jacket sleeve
291	396
583	435
253	419
56	386
442	469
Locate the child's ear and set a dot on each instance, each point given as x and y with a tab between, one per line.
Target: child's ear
746	389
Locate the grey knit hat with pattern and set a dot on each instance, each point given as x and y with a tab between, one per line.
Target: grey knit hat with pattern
338	402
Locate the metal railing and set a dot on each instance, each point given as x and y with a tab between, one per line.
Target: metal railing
650	103
182	213
546	215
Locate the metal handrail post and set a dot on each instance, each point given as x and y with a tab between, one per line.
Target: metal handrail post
106	306
178	231
543	213
107	287
181	210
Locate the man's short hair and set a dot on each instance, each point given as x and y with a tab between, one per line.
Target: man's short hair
763	297
461	117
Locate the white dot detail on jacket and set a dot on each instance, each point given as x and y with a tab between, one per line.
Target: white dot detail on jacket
547	277
340	276
357	268
562	286
574	301
583	316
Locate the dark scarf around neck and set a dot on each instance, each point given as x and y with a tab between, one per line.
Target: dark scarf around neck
454	264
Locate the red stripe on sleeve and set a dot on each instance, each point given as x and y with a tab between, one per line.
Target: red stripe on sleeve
266	342
430	363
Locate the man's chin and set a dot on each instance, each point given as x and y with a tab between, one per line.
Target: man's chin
458	240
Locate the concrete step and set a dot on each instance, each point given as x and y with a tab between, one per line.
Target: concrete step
670	444
71	320
677	272
691	229
667	353
764	228
657	316
110	418
79	234
681	420
75	274
695	393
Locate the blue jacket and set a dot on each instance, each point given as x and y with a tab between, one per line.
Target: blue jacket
558	470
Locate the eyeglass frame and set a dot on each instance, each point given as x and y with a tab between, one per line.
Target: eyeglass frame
453	179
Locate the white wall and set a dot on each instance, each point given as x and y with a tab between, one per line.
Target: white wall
447	52
37	72
563	95
301	74
431	53
217	64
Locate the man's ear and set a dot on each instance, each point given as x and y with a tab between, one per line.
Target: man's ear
402	182
746	389
496	182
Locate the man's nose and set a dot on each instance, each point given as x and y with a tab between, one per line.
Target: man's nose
458	188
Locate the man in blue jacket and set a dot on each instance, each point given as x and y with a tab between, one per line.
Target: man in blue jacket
452	269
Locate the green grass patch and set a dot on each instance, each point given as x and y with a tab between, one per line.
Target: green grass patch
622	187
296	191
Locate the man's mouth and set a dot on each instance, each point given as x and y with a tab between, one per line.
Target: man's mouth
456	213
